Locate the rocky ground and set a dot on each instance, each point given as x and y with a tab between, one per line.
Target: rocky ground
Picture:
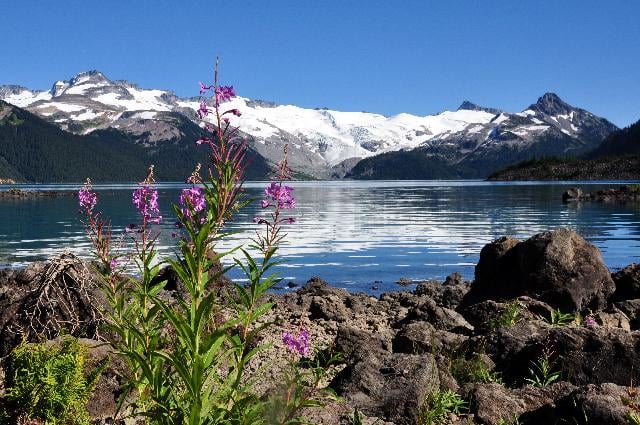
626	193
479	339
19	193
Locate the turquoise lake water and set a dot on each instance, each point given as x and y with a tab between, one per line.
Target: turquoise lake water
354	234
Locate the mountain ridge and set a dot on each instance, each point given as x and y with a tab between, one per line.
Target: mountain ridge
321	140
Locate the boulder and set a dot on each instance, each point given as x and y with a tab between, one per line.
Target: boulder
627	283
441	318
422	337
448	294
631	308
559	268
388	386
606	404
494	404
352	342
573	194
582	355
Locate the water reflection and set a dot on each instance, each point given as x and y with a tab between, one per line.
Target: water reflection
354	234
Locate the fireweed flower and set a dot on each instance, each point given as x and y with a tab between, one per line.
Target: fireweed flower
203	111
192	200
145	200
297	343
87	199
281	195
224	93
203	88
589	321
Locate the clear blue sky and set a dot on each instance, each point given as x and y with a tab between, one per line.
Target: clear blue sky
390	56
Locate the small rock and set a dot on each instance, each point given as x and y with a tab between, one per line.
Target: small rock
403	281
573	194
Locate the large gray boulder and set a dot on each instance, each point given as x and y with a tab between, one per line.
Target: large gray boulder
558	267
388	386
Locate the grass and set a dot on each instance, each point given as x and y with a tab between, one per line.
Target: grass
473	370
438	405
558	318
511	315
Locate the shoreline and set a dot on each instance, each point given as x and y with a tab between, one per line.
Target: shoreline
402	346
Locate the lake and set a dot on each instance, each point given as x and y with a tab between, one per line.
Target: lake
354	234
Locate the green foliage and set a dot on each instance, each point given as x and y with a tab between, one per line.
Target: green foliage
473	370
438	405
356	418
300	389
511	315
406	165
541	372
632	401
512	421
558	318
49	383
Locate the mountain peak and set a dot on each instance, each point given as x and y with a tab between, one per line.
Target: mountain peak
470	106
93	76
551	104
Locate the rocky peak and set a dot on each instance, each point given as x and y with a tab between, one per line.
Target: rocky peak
92	76
470	106
8	90
551	104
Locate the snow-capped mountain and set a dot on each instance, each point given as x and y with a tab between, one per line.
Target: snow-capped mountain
320	140
550	127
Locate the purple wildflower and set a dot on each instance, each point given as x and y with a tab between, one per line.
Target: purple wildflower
87	199
259	220
290	220
145	200
589	321
113	263
224	93
264	203
297	343
192	200
281	195
203	111
203	88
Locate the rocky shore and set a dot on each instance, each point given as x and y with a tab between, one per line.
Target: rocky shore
549	297
626	193
27	194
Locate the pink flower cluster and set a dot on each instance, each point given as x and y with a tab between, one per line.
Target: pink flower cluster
192	200
280	195
145	200
297	343
87	199
222	94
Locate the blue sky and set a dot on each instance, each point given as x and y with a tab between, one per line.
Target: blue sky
387	56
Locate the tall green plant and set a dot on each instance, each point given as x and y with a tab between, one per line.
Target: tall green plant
187	367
